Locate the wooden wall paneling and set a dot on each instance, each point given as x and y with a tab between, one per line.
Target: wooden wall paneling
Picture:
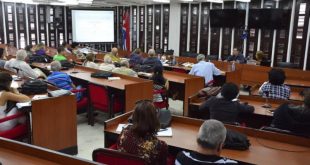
9	10
115	28
194	28
157	27
149	27
1	25
59	26
32	24
282	37
21	25
308	59
184	27
142	27
267	34
253	33
204	27
134	24
69	25
238	40
300	31
50	11
42	24
166	15
215	34
226	34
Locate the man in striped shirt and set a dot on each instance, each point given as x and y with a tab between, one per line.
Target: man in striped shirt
211	137
60	79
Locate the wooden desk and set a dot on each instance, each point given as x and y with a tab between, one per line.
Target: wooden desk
13	152
260	152
53	122
134	89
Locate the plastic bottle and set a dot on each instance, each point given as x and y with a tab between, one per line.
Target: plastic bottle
233	66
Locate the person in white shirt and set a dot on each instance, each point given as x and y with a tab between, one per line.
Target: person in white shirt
89	61
20	67
205	69
107	65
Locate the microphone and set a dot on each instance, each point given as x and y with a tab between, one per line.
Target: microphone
266	105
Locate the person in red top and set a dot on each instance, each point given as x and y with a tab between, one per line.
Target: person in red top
140	138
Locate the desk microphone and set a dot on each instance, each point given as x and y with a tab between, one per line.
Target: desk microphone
74	72
266	105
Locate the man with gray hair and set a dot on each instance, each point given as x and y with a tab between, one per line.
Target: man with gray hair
152	60
113	55
107	65
20	67
211	138
124	69
205	69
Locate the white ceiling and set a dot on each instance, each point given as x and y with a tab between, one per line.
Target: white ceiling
101	3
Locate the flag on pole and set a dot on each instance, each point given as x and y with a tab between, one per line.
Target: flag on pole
126	31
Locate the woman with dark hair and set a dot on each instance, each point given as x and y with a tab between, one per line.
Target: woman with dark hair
9	94
89	61
275	87
140	138
159	82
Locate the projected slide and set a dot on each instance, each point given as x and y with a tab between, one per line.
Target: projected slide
92	26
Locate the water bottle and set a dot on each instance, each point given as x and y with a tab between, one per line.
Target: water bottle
233	66
173	61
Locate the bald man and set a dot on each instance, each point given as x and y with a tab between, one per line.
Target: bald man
114	55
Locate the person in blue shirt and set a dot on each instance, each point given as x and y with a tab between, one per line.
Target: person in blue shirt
237	57
135	58
205	69
152	60
62	80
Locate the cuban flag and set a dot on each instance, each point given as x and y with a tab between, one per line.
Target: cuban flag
125	31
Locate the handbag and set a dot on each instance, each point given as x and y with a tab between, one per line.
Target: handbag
101	74
66	64
32	87
236	141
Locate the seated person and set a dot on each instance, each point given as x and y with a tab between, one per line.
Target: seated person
226	108
125	70
262	59
40	49
28	49
67	47
62	80
2	57
152	60
237	57
76	51
211	138
107	65
114	55
20	67
294	118
140	138
61	54
9	94
89	61
159	82
205	69
136	58
275	87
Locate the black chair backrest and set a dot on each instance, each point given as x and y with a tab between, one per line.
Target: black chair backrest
212	57
189	54
169	52
277	130
287	65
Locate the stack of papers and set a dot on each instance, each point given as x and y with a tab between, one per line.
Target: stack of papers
167	132
21	105
39	97
145	74
114	78
14	84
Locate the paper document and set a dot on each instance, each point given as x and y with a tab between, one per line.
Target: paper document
21	105
114	78
39	97
165	132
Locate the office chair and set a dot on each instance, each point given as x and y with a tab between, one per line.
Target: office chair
287	65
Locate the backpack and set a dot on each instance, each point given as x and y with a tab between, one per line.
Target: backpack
236	141
101	74
66	64
40	59
32	87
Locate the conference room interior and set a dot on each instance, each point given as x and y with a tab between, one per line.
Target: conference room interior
66	129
